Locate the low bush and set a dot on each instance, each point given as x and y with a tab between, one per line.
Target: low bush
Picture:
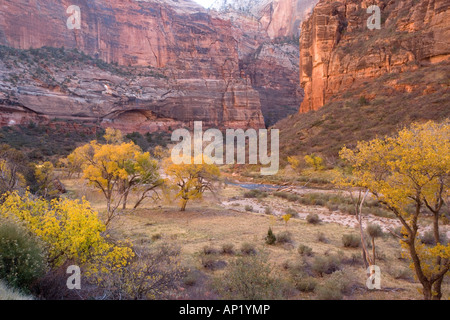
270	238
248	208
255	193
208	250
321	237
292	212
7	293
156	237
374	230
228	248
313	218
325	265
428	238
211	262
249	278
402	274
305	283
191	278
351	240
284	237
334	287
248	249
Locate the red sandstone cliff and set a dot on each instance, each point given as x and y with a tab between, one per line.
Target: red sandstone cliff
267	35
338	52
195	54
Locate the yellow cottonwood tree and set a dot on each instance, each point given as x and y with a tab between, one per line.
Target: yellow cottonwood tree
116	170
70	229
315	162
409	173
44	174
191	180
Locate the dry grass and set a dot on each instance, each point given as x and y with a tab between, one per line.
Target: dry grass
207	224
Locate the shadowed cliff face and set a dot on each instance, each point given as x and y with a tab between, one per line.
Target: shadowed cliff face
338	52
194	54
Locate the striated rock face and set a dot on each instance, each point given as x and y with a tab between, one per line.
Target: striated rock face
338	52
279	18
267	36
183	65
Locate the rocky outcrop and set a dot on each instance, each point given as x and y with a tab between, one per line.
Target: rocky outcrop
181	64
267	36
338	52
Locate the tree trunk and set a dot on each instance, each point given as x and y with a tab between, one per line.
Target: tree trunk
427	294
125	197
183	204
437	292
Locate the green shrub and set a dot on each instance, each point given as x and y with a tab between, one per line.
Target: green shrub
210	262
255	193
293	197
270	238
248	208
268	210
7	293
292	212
321	237
249	278
351	240
428	238
248	249
156	237
305	283
402	274
313	218
325	265
208	250
284	237
228	248
22	258
328	292
191	279
374	230
304	250
335	287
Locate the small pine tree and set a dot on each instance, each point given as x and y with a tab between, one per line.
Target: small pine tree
270	238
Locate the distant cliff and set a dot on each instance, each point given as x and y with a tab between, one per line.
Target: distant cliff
182	64
267	33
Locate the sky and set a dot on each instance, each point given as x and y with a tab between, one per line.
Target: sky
205	3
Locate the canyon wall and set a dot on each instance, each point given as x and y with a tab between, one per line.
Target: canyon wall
194	55
338	52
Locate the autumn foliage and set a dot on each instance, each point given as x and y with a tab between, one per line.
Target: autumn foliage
70	230
410	174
